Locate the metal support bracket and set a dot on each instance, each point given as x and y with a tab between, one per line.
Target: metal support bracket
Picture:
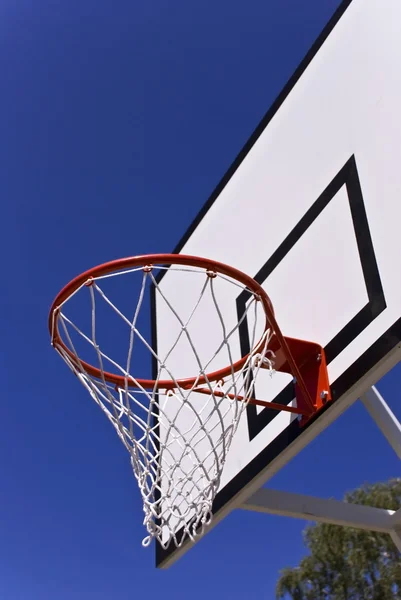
384	418
333	511
312	391
320	509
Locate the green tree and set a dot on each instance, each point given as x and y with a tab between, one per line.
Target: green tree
345	563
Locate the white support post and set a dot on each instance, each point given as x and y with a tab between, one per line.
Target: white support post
390	427
396	531
396	537
320	509
384	418
396	519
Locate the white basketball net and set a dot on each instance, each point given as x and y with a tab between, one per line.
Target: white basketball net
178	440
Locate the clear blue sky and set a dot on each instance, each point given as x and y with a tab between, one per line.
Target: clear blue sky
117	121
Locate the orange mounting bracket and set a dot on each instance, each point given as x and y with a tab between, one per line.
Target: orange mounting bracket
309	369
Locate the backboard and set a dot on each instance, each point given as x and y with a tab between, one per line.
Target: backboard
311	209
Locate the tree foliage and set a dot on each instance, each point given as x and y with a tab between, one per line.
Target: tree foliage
345	563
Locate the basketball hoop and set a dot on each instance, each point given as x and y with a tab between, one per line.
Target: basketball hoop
213	399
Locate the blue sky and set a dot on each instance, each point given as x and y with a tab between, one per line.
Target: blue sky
118	119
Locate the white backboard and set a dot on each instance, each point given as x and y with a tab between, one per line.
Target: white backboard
311	209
